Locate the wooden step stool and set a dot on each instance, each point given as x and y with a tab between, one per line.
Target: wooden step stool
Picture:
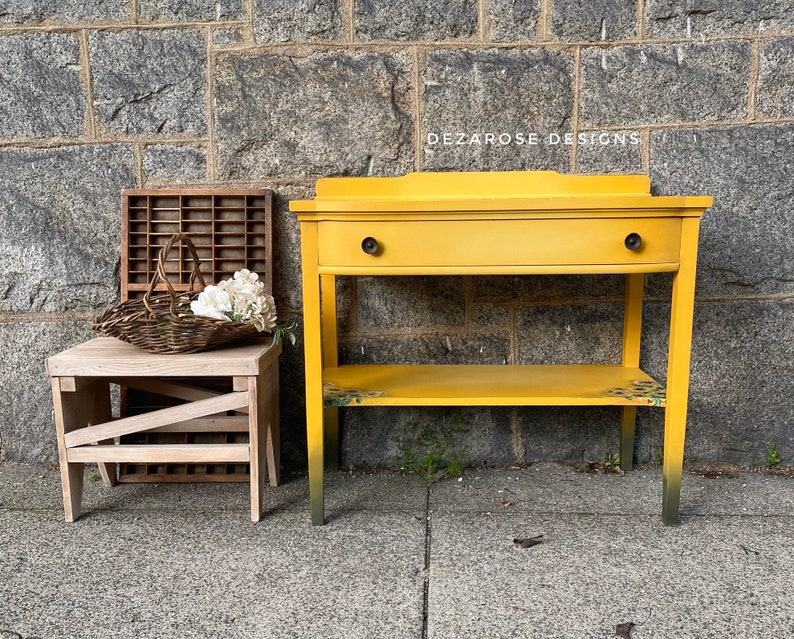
81	379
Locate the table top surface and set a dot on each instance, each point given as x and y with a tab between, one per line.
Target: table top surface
107	356
494	192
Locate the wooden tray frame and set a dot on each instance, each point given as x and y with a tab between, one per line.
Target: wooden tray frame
231	229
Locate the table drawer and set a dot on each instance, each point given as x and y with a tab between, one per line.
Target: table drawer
499	242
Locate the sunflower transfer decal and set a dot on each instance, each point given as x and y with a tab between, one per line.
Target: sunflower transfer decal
333	395
653	392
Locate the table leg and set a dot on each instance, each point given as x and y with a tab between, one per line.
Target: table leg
331	421
678	364
632	332
330	358
313	349
628	420
314	416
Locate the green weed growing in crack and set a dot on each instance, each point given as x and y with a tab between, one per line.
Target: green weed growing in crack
612	460
433	453
772	456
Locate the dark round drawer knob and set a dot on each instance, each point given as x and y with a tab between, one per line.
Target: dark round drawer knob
370	245
633	241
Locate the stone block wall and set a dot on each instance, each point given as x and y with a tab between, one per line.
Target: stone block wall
99	96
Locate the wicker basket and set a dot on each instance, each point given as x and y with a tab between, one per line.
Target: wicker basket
165	323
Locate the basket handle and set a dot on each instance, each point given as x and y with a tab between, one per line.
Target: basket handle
160	273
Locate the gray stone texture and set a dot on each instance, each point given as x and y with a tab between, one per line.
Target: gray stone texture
582	334
488	315
228	36
288	293
36	11
547	289
327	114
742	378
27	427
292	385
287	274
166	162
346	300
726	490
568	433
450	347
604	20
371	435
60	226
150	81
622	153
649	437
496	92
415	19
305	20
653	84
41	93
403	302
332	104
706	18
514	20
747	237
189	573
775	95
192	10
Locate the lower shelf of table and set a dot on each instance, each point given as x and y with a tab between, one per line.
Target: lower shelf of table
486	385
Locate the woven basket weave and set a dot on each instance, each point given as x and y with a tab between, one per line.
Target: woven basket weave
164	323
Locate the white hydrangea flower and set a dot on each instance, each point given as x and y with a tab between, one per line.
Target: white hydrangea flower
212	302
263	312
241	299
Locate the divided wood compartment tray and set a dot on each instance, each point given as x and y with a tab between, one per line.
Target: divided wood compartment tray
232	230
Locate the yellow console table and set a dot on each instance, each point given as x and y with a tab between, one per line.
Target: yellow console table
537	222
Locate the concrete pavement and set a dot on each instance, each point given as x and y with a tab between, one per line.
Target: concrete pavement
400	558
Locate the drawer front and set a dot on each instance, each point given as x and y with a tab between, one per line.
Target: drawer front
440	243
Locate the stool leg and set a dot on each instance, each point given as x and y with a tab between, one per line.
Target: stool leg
102	413
107	471
72	484
273	448
70	414
257	437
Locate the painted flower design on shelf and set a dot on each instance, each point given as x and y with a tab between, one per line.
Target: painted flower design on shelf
649	390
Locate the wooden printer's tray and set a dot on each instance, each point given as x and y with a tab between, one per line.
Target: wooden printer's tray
232	230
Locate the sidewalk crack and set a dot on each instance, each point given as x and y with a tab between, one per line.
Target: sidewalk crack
426	571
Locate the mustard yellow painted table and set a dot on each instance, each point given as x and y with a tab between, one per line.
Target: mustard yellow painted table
486	224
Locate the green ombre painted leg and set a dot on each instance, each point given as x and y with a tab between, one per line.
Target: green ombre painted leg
671	496
628	417
332	438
